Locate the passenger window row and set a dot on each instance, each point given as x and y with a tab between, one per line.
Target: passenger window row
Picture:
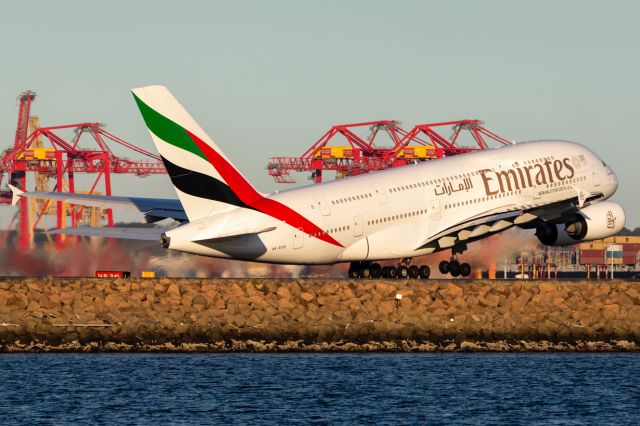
432	181
338	229
574	180
537	160
481	199
352	198
396	217
331	231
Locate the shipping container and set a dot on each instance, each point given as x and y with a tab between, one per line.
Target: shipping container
593	245
599	256
615	261
591	260
148	274
596	262
630	239
420	151
38	154
591	256
599	253
334	152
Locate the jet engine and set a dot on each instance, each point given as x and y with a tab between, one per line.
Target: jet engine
599	220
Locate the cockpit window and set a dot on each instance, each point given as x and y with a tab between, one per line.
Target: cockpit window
604	164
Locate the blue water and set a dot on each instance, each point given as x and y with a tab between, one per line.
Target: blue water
321	388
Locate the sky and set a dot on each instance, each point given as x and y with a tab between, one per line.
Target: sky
269	78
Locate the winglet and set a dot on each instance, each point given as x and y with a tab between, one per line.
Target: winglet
17	193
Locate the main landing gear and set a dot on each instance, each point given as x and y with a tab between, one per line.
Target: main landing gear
454	268
375	270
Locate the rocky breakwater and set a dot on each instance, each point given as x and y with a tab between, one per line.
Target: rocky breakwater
316	315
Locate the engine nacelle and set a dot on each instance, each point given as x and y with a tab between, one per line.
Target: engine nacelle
599	220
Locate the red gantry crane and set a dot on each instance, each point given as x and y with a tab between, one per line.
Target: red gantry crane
362	155
61	159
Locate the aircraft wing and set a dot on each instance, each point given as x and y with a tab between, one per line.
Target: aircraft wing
491	223
152	208
145	234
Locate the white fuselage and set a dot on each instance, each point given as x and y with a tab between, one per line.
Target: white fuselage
393	213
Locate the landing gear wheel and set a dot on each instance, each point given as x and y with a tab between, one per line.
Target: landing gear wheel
389	272
365	272
444	267
424	272
376	270
465	269
403	272
414	271
353	273
454	268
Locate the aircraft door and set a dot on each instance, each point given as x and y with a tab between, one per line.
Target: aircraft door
379	191
298	238
357	226
322	204
435	209
533	192
595	177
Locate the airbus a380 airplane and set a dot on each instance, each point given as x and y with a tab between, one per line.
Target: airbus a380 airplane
557	188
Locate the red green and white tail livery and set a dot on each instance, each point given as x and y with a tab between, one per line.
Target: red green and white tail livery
558	188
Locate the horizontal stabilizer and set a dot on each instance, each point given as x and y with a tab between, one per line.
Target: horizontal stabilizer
226	234
143	234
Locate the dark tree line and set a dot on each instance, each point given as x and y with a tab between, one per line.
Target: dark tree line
626	232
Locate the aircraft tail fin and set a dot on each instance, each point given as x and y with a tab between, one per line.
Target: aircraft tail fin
206	181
